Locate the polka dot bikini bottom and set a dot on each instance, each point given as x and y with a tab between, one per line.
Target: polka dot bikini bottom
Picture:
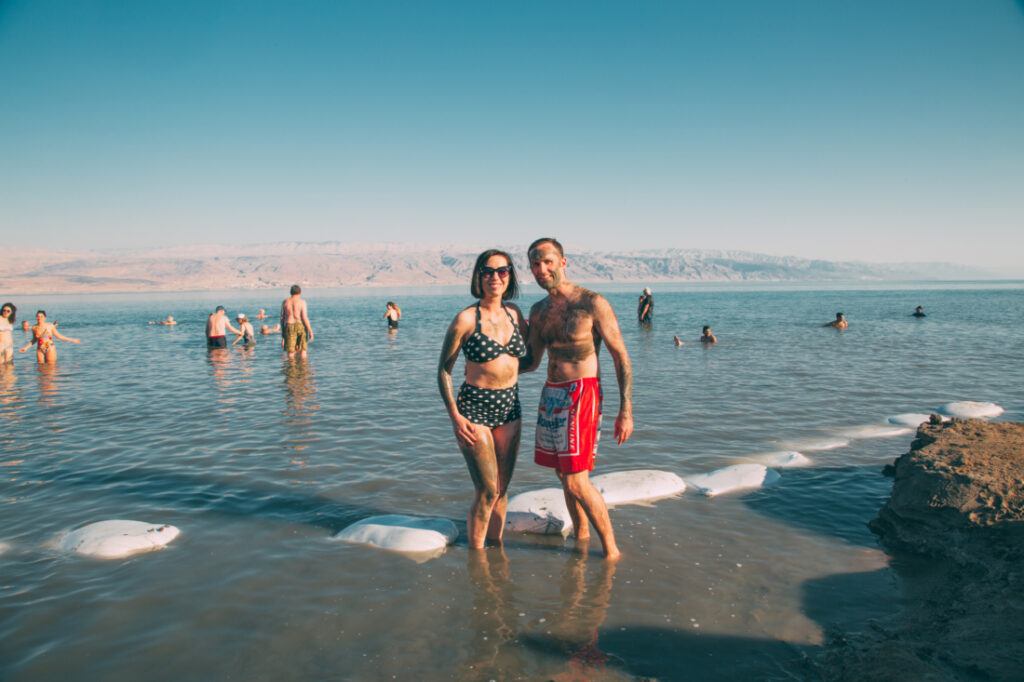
489	407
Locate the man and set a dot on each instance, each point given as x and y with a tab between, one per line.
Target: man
645	308
919	312
216	325
839	323
295	326
571	323
706	336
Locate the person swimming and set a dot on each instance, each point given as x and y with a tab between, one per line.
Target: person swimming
839	323
919	312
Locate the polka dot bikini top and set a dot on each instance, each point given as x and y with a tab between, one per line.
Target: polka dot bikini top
481	348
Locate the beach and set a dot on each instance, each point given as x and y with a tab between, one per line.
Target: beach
260	461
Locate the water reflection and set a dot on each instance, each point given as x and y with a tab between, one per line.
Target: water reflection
569	633
574	630
219	360
9	395
46	378
493	651
299	391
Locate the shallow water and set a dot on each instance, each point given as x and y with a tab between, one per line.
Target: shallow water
259	461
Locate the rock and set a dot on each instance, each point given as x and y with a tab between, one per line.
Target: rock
958	498
960	483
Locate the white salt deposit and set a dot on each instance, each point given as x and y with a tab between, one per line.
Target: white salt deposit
117	538
967	409
544	511
538	511
400	533
732	478
875	431
911	419
815	446
782	460
638	485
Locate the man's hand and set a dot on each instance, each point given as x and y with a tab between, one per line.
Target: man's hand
623	427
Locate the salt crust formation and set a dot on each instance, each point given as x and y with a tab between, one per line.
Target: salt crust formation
955	526
732	478
116	539
401	533
968	409
544	511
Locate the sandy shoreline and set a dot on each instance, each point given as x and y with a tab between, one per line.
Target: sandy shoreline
954	525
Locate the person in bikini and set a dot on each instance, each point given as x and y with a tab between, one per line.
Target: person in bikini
486	415
296	331
392	314
572	323
43	335
8	316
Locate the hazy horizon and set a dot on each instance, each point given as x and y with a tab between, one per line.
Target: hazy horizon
870	132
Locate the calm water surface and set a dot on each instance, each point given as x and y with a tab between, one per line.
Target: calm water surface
259	461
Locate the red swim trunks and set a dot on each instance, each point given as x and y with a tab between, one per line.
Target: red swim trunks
569	425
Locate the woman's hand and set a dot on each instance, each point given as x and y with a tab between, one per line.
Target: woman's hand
465	434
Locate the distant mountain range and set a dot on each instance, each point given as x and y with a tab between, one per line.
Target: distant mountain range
338	264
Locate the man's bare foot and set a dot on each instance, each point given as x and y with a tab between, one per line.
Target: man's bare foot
613	555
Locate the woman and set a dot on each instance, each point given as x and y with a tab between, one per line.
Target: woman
8	316
486	415
43	335
245	332
393	314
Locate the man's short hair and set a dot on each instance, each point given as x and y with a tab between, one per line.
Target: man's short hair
552	240
296	289
706	329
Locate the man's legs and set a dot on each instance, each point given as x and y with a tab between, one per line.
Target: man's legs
581	495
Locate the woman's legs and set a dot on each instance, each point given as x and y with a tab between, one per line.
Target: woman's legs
506	449
490	461
483	469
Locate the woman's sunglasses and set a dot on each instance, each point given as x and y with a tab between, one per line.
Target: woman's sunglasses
501	272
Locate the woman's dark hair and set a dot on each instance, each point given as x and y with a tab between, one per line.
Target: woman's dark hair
14	312
41	312
513	283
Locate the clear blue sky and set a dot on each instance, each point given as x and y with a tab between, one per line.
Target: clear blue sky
870	130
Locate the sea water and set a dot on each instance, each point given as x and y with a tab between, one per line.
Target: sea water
260	460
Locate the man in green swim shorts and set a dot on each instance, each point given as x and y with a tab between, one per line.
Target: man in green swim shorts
295	326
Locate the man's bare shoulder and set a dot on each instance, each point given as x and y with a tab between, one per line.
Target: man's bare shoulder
587	299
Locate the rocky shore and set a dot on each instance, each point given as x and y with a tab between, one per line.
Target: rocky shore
954	525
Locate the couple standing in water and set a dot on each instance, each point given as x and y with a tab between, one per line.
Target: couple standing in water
498	343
